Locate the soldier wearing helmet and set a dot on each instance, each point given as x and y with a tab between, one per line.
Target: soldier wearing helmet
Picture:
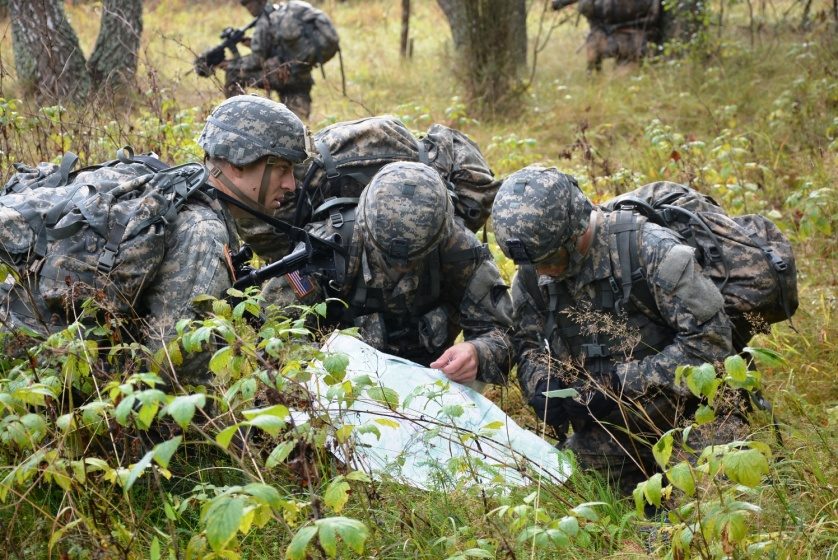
415	277
263	67
618	349
250	145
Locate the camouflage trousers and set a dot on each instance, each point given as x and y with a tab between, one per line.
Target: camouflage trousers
625	45
296	95
619	446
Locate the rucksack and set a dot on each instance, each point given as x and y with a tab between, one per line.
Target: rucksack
613	12
747	257
351	153
305	33
103	226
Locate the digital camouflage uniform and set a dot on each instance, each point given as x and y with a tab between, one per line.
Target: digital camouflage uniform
265	67
633	353
449	284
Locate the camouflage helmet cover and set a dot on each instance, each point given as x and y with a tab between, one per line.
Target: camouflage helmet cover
246	128
405	211
539	210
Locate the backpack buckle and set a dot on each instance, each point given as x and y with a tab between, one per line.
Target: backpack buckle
336	220
595	351
106	261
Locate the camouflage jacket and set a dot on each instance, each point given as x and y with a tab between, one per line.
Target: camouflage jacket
266	46
684	324
415	316
193	264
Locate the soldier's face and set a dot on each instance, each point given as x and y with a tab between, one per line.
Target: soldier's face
281	182
555	264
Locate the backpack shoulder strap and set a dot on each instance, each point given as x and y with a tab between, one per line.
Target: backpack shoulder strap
624	230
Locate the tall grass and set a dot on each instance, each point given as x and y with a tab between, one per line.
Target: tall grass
754	124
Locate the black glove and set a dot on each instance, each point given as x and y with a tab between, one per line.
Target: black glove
550	409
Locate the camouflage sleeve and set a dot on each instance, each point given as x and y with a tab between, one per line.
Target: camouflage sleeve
193	265
262	39
486	319
528	321
691	305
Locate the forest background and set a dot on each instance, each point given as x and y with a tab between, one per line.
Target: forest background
748	114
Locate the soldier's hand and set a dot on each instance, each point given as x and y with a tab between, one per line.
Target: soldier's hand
550	409
458	363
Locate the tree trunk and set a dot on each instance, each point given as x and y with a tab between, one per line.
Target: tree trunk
47	54
114	58
491	38
405	28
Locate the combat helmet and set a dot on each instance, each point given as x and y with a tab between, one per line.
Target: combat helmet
405	211
245	128
536	212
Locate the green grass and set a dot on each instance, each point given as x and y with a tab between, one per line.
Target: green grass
776	101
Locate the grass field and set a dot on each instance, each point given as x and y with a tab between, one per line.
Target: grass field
750	119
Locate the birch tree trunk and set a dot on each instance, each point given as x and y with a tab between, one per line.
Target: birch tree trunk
114	58
48	57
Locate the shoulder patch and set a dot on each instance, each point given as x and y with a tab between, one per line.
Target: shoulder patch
672	267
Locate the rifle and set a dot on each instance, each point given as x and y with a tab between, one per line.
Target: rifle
324	257
206	62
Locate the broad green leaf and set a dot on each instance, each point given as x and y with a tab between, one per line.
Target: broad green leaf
270	424
154	549
328	539
652	490
137	470
163	451
765	356
389	422
59	534
220	361
704	414
681	477
453	410
478	553
123	409
586	510
353	532
278	410
146	415
639	498
496	425
747	466
701	381
224	437
736	368
358	476
662	450
336	365
343	433
222	520
337	494
280	453
569	525
264	493
384	395
297	548
182	408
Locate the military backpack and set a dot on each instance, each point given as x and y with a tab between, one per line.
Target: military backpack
747	257
305	34
351	153
101	229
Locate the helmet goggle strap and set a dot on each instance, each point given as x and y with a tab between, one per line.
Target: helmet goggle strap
518	252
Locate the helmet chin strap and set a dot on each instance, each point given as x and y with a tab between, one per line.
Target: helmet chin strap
217	173
270	163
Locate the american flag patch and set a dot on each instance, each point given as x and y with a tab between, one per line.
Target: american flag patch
300	283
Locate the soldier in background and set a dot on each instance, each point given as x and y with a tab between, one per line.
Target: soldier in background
266	67
626	29
620	356
414	278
